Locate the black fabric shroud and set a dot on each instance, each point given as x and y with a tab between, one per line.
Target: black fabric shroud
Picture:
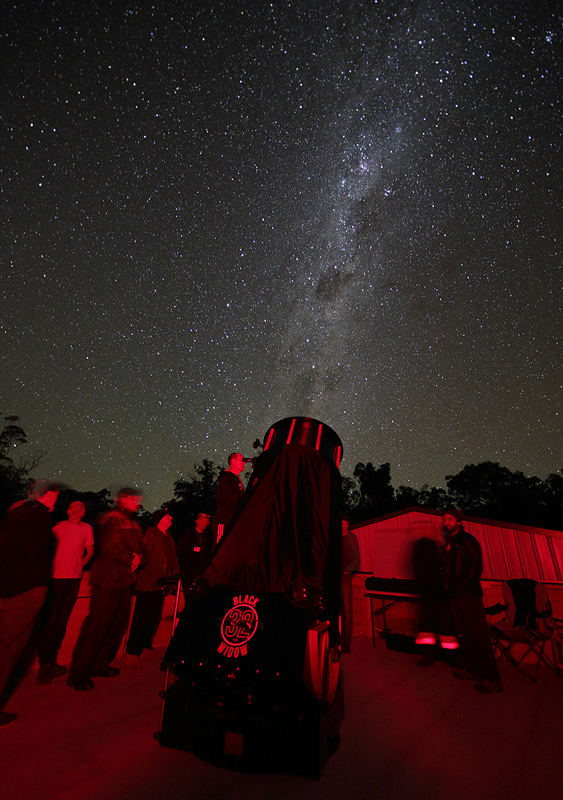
286	535
285	540
276	647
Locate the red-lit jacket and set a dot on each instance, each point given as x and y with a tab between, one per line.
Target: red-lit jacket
463	565
119	538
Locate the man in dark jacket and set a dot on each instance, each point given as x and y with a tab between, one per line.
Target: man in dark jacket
228	495
121	552
194	548
463	565
27	547
160	562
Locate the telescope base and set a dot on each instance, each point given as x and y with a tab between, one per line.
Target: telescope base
276	728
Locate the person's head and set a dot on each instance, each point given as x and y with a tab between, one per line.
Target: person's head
75	512
236	463
162	519
345	526
202	522
46	492
451	520
129	500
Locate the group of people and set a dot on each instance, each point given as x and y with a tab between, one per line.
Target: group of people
452	611
41	568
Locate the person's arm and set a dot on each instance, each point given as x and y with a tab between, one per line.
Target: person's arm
135	562
88	546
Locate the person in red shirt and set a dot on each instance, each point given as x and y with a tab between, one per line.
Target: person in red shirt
75	547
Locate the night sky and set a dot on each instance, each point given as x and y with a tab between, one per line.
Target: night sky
216	215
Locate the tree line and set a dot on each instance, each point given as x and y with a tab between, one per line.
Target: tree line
485	490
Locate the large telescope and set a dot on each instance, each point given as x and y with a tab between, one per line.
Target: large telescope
255	658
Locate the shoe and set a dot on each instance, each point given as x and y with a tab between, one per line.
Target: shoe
44	675
7	719
47	672
449	643
464	675
80	684
106	672
132	661
425	638
57	670
489	687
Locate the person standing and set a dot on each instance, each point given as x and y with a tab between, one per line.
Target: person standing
228	495
75	547
160	562
436	624
350	564
121	552
194	549
463	565
27	545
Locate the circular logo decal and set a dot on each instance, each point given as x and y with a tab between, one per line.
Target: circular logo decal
239	625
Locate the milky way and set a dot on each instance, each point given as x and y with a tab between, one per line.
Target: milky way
216	215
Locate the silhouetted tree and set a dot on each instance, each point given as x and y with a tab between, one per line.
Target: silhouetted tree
407	496
350	496
553	501
14	478
433	497
10	436
377	496
194	494
426	497
489	490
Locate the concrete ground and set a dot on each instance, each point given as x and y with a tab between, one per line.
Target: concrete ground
408	733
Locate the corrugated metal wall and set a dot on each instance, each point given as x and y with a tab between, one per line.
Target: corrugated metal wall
508	552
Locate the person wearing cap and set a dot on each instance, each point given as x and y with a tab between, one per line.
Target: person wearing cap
121	552
75	547
160	562
228	495
27	546
463	565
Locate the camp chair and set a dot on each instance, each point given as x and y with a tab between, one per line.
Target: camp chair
554	627
528	621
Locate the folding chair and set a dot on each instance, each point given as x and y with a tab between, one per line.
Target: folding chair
554	628
528	621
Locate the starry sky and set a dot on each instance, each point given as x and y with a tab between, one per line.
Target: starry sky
219	214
